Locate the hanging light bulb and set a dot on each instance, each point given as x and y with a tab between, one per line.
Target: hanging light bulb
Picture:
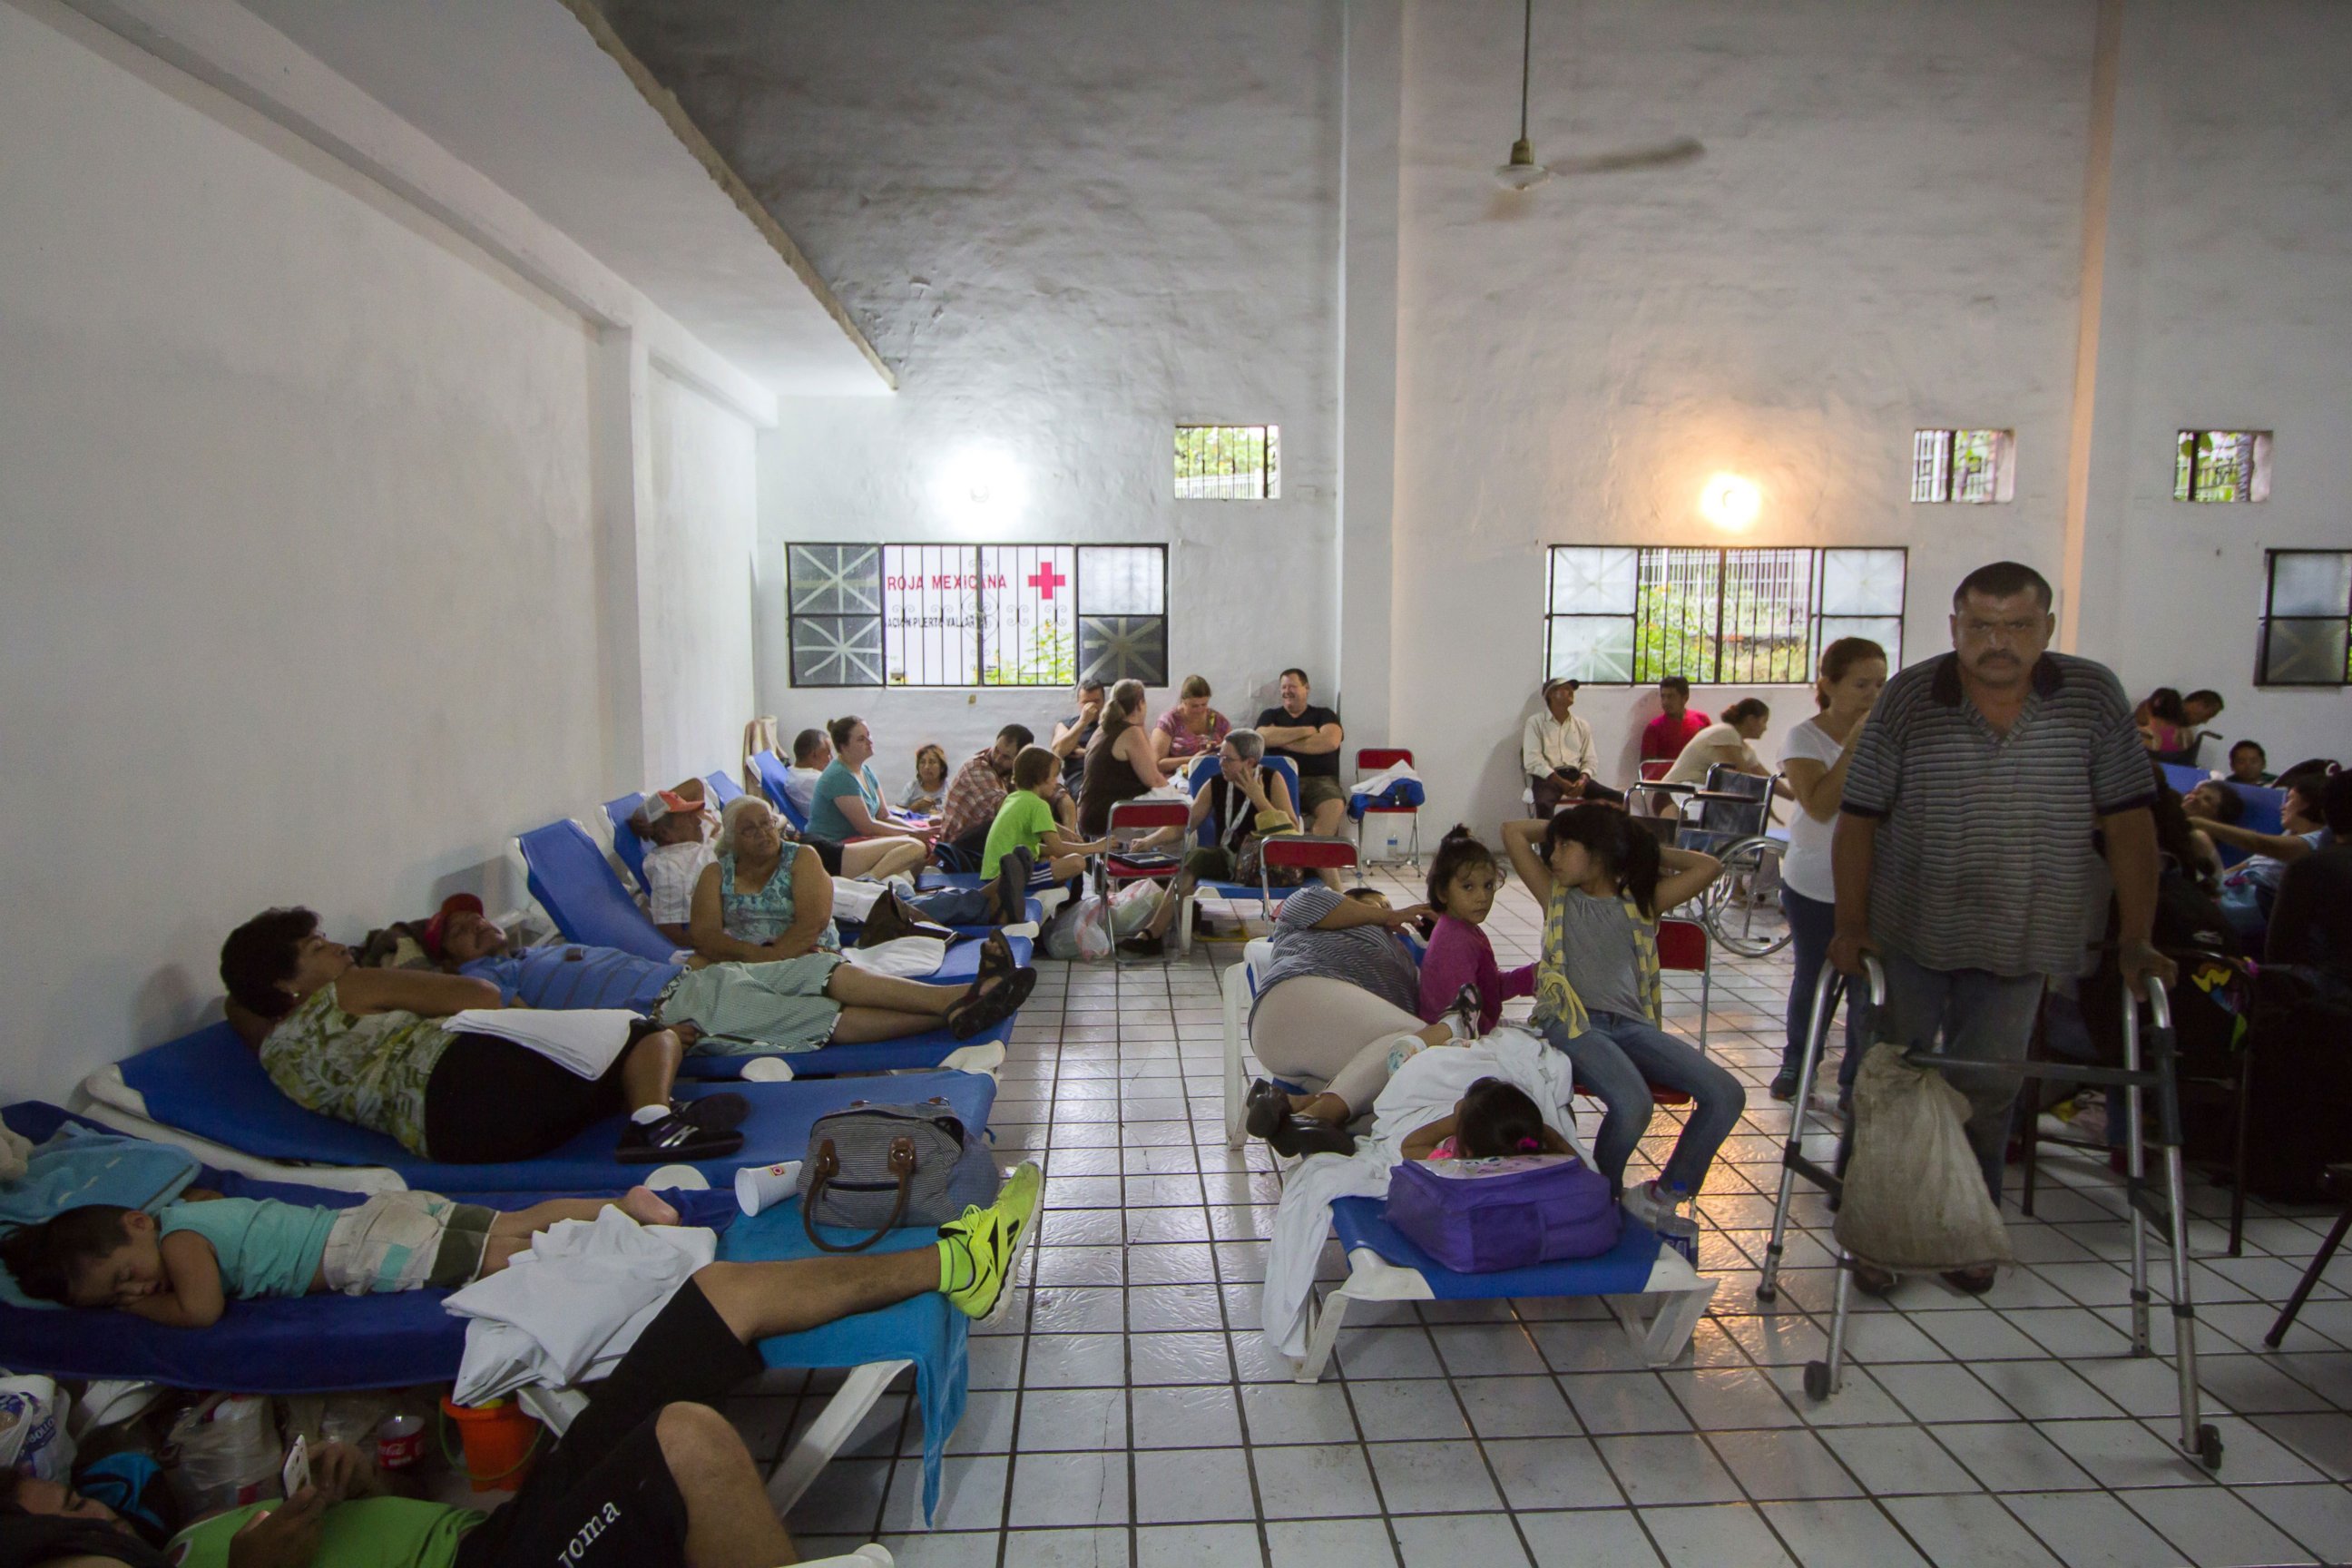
1522	173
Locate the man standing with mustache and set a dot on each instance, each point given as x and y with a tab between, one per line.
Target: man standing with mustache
1964	852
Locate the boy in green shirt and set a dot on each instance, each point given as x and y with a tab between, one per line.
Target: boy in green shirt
1025	823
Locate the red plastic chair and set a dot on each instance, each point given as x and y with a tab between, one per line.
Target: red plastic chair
1682	945
1149	817
1371	759
1298	851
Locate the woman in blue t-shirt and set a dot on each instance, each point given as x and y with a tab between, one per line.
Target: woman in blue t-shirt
849	803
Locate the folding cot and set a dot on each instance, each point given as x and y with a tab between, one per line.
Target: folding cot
771	771
629	846
584	896
631	850
1374	759
209	1086
1384	1265
317	1345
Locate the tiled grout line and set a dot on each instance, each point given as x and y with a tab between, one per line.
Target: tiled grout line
1227	1210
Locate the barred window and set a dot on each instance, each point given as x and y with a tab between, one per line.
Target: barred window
2307	619
1622	614
2222	466
1977	467
1228	462
977	614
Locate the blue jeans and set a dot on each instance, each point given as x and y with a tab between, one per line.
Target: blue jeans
1977	1015
1619	1059
1811	923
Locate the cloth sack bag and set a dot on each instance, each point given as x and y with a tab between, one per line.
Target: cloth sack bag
1476	1216
1915	1196
877	1167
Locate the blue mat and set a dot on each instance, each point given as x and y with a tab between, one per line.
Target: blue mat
582	894
941	1371
211	1084
625	843
1623	1271
723	788
310	1345
773	770
923	1050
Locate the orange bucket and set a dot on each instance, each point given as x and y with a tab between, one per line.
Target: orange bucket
500	1440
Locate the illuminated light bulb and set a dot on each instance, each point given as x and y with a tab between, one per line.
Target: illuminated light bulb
1730	502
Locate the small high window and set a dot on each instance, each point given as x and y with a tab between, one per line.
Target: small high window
1622	614
1977	467
2222	466
1228	462
2307	619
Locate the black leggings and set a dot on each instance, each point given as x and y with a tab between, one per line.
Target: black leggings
603	1494
490	1102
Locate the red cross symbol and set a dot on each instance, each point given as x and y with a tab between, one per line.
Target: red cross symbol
1046	580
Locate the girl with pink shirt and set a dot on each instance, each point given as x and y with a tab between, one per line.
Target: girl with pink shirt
1463	881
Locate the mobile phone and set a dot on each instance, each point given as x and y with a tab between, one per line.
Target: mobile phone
296	1475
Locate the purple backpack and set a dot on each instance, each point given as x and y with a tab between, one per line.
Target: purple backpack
1475	1216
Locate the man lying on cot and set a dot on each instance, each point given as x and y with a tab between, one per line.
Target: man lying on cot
737	1008
180	1267
648	1477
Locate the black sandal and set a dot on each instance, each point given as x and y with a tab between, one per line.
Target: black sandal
996	958
982	1010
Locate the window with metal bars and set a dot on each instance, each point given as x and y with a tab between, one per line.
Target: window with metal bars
1624	615
1974	467
977	614
2222	466
1228	462
2307	618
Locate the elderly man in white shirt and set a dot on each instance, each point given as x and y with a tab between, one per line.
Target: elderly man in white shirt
1557	751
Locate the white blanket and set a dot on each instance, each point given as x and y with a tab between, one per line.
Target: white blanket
905	957
585	1041
1422	1090
1374	783
566	1310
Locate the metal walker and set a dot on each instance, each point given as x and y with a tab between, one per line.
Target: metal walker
2167	1209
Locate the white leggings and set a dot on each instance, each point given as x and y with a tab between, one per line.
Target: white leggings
1330	1036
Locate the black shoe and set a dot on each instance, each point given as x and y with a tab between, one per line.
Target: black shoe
1012	887
1467	1005
675	1137
720	1113
1300	1136
1872	1280
1972	1281
1144	946
1784	1084
982	1010
1265	1110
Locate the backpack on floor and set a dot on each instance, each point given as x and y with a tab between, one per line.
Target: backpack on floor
1476	1216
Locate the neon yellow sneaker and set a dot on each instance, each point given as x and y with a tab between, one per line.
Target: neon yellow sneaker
979	1251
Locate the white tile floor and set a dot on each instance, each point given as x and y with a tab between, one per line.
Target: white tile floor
1126	1412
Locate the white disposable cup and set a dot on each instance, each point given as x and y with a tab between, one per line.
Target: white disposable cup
761	1187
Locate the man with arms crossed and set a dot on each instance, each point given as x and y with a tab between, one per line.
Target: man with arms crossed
1963	850
1311	737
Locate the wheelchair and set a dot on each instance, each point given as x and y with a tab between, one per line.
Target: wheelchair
1730	817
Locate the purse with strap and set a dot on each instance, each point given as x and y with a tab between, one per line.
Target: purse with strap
877	1167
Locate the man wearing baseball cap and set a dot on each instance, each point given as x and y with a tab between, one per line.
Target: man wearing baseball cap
1557	750
674	825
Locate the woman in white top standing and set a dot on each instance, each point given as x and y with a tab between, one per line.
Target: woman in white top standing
1814	757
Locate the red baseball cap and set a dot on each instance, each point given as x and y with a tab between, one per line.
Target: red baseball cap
438	926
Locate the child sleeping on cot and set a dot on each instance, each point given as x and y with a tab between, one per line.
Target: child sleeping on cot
180	1266
1492	1120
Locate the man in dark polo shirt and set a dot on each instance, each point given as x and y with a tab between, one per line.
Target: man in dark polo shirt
1963	851
1310	737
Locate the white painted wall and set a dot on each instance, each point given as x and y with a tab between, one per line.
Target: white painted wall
300	579
1067	225
2228	306
1883	233
695	591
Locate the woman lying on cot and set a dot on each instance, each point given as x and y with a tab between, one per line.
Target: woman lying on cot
180	1267
369	1047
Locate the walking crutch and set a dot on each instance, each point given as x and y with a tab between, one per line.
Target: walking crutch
1822	1377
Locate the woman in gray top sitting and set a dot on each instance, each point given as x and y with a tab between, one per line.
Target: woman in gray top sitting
1334	1003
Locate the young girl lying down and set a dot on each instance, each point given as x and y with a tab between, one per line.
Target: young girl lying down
1492	1119
180	1266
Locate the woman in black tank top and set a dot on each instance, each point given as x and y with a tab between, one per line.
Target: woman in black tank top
1119	764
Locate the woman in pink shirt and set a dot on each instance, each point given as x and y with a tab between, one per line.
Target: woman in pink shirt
1463	880
1192	727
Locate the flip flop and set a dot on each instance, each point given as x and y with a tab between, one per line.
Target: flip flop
995	957
989	1008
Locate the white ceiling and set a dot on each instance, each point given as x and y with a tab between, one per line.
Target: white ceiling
523	91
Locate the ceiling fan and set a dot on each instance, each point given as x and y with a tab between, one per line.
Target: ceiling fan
1522	173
